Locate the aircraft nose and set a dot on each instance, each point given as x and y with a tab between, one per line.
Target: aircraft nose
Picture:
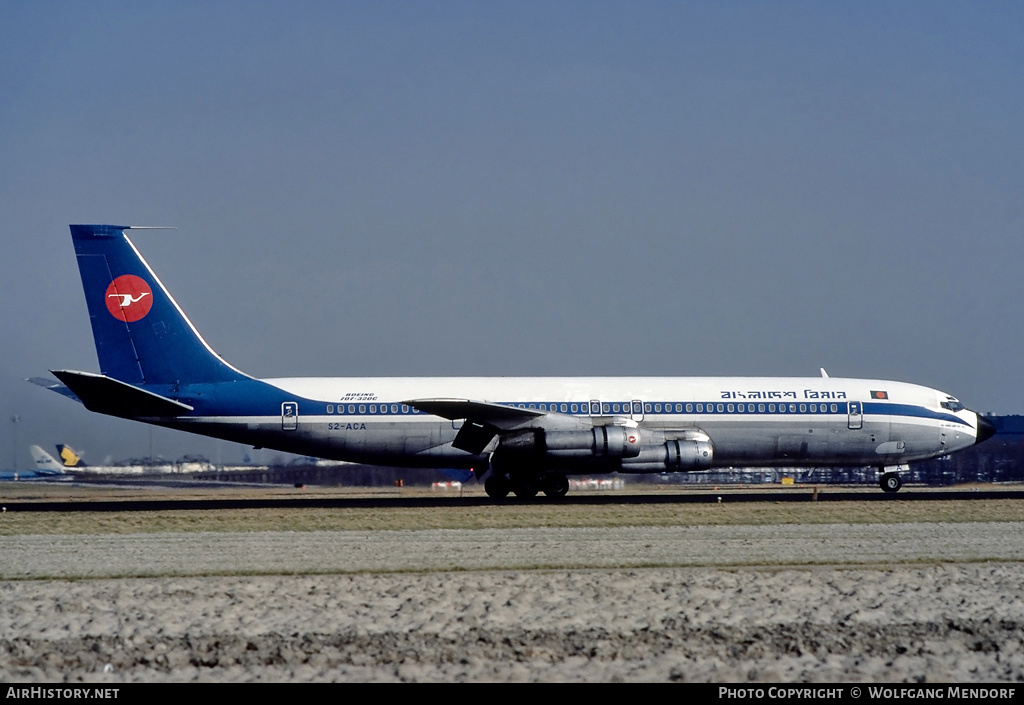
986	429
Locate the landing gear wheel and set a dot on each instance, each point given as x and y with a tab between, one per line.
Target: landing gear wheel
557	486
526	489
890	482
497	487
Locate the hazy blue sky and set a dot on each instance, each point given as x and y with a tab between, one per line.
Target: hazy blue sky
506	188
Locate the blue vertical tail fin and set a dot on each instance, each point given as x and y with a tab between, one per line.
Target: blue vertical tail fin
142	335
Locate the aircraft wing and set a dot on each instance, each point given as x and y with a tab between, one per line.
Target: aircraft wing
483	419
455	409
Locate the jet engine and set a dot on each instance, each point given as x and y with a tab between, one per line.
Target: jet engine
598	442
676	455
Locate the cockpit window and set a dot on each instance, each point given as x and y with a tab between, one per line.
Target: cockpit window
952	404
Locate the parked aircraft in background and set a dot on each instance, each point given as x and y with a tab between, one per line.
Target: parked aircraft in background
45	464
70	458
73	462
45	467
518	434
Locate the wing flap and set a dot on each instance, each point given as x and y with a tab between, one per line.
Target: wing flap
483	420
473	437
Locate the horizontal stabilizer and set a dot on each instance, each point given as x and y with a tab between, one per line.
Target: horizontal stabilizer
54	386
109	396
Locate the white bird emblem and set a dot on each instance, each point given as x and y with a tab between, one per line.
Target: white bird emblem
127	299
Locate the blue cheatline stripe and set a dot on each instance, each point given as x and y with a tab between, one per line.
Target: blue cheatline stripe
244	398
912	411
669	408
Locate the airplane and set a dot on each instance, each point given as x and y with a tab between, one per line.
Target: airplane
46	464
72	462
70	457
46	468
519	435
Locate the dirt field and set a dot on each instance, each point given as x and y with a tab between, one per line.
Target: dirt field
760	602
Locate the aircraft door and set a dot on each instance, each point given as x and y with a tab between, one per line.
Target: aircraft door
289	415
854	415
637	410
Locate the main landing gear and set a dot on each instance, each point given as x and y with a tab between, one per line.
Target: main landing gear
526	486
890	481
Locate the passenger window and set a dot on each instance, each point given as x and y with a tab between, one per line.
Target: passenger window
803	408
689	408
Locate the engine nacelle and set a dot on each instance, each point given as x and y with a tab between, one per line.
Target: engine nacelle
598	442
673	456
694	454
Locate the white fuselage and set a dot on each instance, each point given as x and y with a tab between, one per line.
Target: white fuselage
748	421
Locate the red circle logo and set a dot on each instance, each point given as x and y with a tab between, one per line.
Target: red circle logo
129	298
